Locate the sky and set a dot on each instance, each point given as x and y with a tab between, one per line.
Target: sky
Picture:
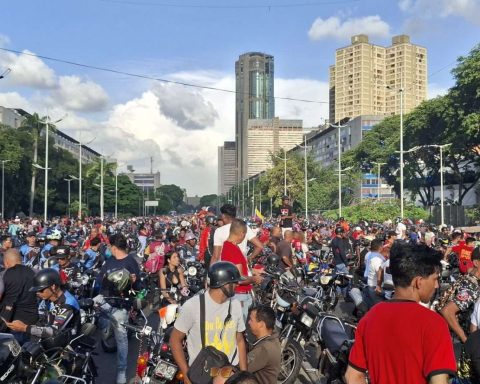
133	118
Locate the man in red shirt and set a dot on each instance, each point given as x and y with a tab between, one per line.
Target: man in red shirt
464	253
400	341
231	252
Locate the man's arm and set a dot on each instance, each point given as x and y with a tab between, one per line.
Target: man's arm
352	376
242	351
439	379
449	312
217	251
176	339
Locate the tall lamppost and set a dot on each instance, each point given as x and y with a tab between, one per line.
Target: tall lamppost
340	189
441	147
379	179
284	159
38	166
69	201
339	127
3	187
401	91
80	145
116	188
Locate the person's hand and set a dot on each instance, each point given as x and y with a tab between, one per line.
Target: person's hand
186	380
257	279
378	290
17	325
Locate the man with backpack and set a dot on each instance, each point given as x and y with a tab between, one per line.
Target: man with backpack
220	324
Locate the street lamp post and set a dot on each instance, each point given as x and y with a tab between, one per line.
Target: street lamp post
3	187
339	127
80	145
378	178
340	171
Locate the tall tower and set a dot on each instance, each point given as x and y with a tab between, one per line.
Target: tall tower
254	73
366	78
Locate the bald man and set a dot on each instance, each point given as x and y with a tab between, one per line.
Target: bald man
18	303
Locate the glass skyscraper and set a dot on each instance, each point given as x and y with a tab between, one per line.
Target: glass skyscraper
254	73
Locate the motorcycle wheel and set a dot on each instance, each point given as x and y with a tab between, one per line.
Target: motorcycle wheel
108	342
291	362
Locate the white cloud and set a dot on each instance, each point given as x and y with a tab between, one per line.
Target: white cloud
14	100
336	28
4	40
78	95
467	9
28	71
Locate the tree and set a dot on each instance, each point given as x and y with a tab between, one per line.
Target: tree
208	200
173	193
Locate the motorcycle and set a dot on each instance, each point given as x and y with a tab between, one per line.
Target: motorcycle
32	364
195	275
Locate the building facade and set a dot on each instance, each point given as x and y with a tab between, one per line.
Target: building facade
11	117
368	79
254	75
266	137
227	167
148	182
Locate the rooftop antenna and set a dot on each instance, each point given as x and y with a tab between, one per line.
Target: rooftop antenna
151	165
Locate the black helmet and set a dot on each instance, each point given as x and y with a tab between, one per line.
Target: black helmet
44	279
273	259
339	230
223	273
60	251
210	219
50	262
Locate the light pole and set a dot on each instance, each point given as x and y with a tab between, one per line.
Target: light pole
401	91
116	188
378	178
339	127
340	189
441	147
38	166
306	195
69	202
80	145
284	172
3	187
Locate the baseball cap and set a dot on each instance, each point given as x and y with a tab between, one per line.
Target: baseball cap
31	233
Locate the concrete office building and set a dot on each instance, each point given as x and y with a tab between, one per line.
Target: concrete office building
366	78
227	168
145	181
254	74
11	117
267	136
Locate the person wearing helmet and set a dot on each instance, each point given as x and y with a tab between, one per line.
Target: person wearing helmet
286	215
67	268
116	276
54	239
223	325
401	229
191	248
17	302
61	311
340	245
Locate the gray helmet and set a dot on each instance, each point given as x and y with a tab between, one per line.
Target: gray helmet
44	279
223	273
120	278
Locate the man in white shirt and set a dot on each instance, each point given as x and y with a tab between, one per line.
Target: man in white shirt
401	229
228	213
374	279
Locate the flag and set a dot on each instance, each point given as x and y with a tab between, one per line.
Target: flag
258	215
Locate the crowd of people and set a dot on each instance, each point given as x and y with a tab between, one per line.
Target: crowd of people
407	333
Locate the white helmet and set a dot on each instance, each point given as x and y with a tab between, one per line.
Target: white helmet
55	235
167	315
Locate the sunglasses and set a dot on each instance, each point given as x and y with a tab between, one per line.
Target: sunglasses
224	372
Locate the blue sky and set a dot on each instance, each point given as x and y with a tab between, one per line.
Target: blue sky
199	41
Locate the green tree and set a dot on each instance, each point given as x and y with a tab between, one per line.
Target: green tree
208	200
173	193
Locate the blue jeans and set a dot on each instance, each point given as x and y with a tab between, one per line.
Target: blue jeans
342	268
246	301
121	337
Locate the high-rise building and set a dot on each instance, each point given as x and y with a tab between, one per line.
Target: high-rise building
227	167
367	79
267	136
254	73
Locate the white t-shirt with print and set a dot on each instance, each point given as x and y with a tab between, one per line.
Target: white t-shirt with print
188	322
222	233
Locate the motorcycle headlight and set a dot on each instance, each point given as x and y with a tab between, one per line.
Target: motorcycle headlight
306	320
324	280
192	271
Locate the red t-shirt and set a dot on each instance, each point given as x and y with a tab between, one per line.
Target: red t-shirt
231	252
464	254
401	342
